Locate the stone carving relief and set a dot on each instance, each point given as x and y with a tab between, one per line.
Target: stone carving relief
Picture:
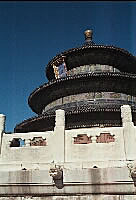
57	174
38	141
82	139
105	138
132	170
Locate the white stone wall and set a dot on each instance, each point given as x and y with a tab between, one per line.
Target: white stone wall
94	168
27	153
95	151
60	146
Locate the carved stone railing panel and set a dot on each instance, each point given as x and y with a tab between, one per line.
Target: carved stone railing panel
105	138
16	142
87	138
38	141
82	139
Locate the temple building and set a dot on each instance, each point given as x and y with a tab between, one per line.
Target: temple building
81	145
90	83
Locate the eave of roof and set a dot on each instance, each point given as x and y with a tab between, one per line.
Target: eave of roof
94	54
47	122
91	82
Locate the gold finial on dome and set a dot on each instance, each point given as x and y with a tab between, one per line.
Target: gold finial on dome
88	35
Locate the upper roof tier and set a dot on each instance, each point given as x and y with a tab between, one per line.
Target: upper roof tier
90	53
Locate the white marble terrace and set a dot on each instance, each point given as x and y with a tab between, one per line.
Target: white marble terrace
87	161
98	146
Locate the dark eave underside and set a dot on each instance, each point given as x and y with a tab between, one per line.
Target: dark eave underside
77	118
91	82
95	54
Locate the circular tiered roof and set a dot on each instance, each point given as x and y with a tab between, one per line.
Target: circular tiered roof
119	82
94	54
120	79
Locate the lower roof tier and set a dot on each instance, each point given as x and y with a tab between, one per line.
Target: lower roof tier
99	115
117	82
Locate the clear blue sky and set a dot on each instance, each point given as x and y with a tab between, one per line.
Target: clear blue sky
31	33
